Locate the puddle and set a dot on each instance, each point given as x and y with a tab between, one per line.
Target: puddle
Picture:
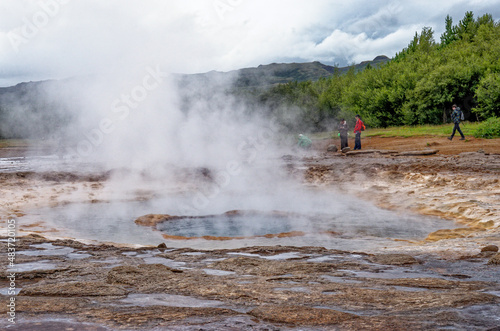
391	273
35	160
467	270
215	272
336	279
245	254
31	266
160	299
47	249
484	315
327	258
364	312
5	291
8	164
410	289
78	256
150	258
282	256
165	262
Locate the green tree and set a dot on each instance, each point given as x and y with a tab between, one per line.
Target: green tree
488	96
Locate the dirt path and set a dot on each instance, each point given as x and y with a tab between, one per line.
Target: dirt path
400	144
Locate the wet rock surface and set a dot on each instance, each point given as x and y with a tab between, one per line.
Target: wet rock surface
251	288
447	281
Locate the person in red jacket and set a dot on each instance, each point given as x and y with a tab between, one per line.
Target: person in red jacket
360	126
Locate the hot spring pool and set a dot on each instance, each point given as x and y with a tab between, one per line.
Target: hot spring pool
356	226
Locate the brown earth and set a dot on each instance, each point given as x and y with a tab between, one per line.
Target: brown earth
400	144
449	281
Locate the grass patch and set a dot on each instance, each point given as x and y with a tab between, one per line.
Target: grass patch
21	143
468	128
14	143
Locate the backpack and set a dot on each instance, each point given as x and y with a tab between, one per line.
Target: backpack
461	114
363	127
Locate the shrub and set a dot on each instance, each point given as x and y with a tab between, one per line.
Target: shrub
489	128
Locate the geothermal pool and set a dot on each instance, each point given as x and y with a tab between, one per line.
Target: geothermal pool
360	226
285	212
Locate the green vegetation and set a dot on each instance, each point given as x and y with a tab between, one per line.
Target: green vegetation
442	130
489	128
13	143
470	129
418	87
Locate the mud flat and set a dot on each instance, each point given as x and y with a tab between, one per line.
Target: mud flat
446	280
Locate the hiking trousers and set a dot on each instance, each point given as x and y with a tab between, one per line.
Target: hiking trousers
343	141
357	141
457	128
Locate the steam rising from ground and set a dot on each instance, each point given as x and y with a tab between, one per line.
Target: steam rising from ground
151	132
142	125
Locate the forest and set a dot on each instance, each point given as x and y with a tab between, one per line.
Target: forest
418	86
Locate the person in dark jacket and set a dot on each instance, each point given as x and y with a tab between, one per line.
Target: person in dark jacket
456	117
343	128
360	126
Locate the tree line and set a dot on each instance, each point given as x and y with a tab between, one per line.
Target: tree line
418	86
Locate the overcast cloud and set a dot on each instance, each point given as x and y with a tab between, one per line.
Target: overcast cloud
54	39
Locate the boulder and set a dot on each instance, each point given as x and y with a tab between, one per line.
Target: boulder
346	149
332	148
490	248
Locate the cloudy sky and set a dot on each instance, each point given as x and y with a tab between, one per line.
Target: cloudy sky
54	39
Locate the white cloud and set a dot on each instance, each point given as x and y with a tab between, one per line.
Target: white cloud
61	38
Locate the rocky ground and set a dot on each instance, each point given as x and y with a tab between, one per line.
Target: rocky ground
448	281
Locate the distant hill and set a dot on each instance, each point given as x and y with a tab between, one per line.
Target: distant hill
275	73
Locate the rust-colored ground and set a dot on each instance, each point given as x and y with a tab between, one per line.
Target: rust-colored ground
400	144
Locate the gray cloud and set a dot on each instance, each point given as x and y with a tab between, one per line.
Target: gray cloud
61	38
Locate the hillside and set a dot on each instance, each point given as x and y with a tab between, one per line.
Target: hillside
274	73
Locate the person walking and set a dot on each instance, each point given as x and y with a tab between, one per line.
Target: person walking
456	117
360	126
343	128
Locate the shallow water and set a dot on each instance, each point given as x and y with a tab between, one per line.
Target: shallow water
37	162
351	222
357	227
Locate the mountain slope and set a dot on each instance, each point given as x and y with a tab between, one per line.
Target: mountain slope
275	73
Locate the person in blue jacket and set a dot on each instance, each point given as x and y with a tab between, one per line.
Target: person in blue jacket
456	117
